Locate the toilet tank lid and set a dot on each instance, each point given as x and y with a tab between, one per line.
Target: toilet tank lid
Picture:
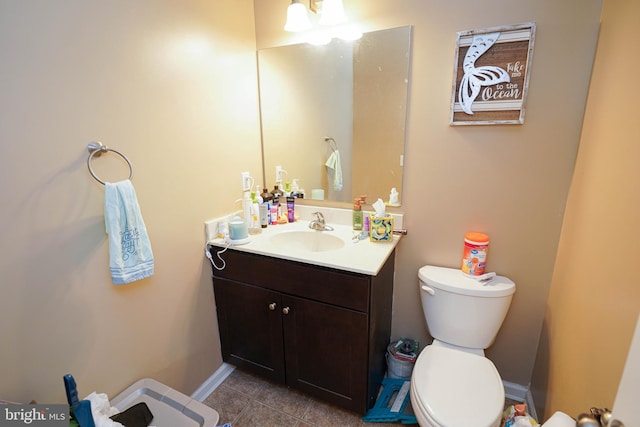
454	280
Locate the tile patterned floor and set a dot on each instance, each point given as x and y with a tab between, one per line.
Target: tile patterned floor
245	400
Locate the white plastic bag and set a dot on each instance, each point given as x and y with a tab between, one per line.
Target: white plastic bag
517	416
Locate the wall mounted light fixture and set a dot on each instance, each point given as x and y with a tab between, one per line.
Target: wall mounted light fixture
297	18
332	21
332	13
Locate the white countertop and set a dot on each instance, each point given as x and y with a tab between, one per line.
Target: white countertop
358	256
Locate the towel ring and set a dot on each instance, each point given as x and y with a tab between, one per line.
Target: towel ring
96	149
332	143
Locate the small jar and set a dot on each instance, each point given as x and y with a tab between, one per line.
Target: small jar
474	255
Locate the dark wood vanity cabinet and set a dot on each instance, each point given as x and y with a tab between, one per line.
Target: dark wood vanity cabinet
319	330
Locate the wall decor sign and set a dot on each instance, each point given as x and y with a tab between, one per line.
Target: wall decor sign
491	75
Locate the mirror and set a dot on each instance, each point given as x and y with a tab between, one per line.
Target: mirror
353	92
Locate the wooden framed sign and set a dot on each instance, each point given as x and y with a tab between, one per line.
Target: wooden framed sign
491	75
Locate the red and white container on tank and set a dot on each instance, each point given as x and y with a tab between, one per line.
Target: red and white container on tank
474	255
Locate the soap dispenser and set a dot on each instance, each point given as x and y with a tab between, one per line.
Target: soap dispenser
394	198
277	192
357	214
255	212
295	188
258	195
266	196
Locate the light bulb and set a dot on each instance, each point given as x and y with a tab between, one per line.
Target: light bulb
297	18
332	13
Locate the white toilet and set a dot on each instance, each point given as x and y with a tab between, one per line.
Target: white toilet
453	384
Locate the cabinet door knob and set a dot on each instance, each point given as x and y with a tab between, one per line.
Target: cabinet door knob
272	306
285	310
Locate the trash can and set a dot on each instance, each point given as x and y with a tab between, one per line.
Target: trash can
401	356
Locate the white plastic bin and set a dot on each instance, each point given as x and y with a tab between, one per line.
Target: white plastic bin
169	407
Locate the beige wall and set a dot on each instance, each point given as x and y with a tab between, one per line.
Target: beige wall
510	181
172	85
595	298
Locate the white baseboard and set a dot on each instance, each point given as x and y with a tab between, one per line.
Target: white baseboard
212	382
515	391
521	394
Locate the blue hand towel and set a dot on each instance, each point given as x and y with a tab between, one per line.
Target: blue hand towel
130	252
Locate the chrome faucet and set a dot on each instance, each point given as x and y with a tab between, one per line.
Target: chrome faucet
318	223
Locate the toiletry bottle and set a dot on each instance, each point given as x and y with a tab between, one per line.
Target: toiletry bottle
393	197
258	195
295	188
277	192
255	212
357	214
273	211
266	196
263	209
291	204
246	207
279	201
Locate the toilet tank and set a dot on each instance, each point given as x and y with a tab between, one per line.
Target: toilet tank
460	310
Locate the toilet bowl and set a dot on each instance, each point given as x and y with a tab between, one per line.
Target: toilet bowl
453	384
454	388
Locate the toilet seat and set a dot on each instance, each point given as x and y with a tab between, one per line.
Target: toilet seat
453	388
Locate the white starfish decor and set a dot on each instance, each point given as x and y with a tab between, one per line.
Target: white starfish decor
476	77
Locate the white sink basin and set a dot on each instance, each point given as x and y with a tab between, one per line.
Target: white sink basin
310	241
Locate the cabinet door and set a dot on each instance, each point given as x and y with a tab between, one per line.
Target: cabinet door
250	322
326	351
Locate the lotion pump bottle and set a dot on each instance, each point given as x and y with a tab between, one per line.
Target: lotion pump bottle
258	195
357	214
295	188
255	212
246	207
266	196
277	192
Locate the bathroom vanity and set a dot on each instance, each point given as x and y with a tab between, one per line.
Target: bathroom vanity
318	329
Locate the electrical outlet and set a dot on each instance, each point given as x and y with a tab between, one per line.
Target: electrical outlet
246	181
211	229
